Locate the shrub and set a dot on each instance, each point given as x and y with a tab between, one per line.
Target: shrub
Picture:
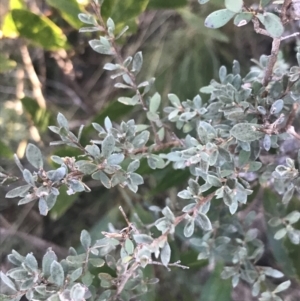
233	146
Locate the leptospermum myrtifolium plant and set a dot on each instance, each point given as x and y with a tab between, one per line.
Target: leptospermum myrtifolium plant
222	142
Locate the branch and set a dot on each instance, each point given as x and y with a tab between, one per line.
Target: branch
156	148
284	11
36	84
272	61
34	241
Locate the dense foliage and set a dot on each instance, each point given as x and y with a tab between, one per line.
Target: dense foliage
237	146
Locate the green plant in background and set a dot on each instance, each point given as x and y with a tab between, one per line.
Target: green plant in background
233	147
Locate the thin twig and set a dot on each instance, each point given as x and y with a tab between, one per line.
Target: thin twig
36	84
34	241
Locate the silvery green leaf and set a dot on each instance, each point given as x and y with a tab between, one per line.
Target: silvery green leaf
127	61
173	115
57	273
142	239
28	198
77	259
28	177
244	157
251	234
133	166
294	236
204	208
246	132
86	167
133	187
206	132
87	19
235	280
218	18
154	102
288	194
122	86
242	19
43	208
213	158
98	127
93	150
188	207
108	124
189	228
162	224
62	121
274	221
168	213
48	259
267	142
87	279
89	29
184	194
115	159
77	292
136	179
85	239
194	187
255	289
152	116
272	24
34	156
110	24
129	246
233	207
7	281
101	176
290	162
17	274
56	175
214	181
141	139
174	100
57	160
76	274
111	261
18	191
101	46
204	221
137	62
127	79
165	254
15	259
97	262
254	166
31	262
130	101
280	233
108	145
111	67
293	217
234	5
277	106
273	272
54	129
222	73
282	287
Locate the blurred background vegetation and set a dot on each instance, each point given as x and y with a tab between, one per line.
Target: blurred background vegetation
47	67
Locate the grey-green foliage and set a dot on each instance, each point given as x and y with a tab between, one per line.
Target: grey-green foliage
221	142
